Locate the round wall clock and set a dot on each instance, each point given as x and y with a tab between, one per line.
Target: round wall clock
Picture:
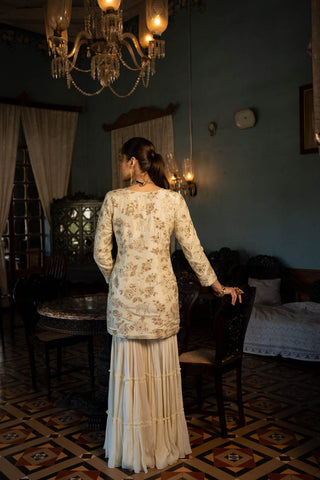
244	118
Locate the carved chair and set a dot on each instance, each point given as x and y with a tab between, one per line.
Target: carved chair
2	332
229	325
28	293
225	263
189	290
57	266
180	263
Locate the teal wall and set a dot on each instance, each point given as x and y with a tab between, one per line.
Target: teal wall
256	192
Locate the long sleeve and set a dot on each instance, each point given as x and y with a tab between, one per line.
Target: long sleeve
189	241
103	240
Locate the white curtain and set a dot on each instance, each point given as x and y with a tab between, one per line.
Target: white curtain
9	134
50	137
316	63
159	131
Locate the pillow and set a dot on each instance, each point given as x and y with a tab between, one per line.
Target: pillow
267	291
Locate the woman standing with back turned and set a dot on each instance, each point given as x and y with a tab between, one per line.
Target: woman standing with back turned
146	426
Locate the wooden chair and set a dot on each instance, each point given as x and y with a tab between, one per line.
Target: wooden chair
230	324
189	290
225	263
6	304
57	266
2	332
28	293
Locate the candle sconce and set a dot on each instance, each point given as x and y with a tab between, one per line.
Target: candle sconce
186	186
188	175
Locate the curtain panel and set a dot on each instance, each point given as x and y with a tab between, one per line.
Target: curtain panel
159	131
9	135
50	138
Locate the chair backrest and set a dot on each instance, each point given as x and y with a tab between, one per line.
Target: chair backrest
225	263
57	266
189	290
230	325
28	293
180	263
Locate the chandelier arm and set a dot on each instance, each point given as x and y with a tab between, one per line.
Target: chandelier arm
133	57
131	91
78	42
75	52
134	40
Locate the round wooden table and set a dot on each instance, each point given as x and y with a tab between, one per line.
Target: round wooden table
83	315
78	315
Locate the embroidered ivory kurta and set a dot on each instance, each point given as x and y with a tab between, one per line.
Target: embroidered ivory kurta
143	294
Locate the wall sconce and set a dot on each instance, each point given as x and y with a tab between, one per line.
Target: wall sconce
173	172
188	175
187	188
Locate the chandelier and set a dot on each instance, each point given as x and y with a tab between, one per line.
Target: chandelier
104	44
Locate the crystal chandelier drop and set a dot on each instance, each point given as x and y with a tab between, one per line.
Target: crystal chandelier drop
107	46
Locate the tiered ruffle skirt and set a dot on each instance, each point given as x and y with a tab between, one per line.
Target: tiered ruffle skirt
146	425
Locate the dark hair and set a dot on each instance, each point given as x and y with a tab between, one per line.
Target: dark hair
149	161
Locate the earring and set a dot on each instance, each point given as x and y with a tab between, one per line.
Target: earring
131	176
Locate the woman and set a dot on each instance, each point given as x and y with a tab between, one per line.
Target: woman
146	425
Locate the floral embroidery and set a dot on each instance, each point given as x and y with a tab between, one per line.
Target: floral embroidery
143	294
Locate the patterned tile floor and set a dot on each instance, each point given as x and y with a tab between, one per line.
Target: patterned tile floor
281	440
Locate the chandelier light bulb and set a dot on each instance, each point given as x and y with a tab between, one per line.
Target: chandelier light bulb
189	177
157	16
145	37
58	14
109	4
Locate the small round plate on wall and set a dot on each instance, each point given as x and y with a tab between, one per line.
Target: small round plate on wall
244	118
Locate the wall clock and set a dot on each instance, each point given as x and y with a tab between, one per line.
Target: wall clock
244	118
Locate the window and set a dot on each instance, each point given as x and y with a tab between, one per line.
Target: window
23	237
74	222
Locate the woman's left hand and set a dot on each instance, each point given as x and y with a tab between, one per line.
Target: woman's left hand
220	291
235	293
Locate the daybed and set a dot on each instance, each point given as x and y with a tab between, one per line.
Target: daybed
280	323
278	326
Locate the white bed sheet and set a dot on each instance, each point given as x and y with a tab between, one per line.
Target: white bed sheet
291	330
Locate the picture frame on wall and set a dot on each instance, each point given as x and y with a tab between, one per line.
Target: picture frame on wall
308	143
